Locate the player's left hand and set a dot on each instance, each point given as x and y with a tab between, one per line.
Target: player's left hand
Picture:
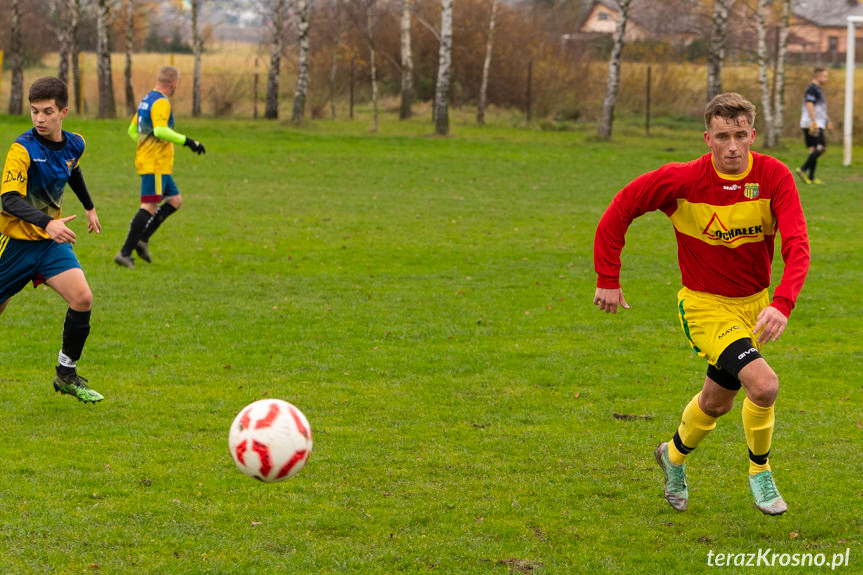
195	146
93	224
771	323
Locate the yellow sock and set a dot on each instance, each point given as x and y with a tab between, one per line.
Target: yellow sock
694	426
758	425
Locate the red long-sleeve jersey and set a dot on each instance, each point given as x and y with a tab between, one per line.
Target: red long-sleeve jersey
725	227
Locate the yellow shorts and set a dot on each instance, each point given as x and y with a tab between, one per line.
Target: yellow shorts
713	322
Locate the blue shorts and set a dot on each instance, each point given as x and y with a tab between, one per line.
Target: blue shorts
22	261
153	189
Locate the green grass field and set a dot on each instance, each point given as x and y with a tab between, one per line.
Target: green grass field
427	303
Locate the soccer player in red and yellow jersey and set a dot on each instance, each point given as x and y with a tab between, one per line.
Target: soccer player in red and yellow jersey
153	130
35	242
726	208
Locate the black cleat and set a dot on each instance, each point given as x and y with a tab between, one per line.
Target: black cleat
142	250
74	384
125	261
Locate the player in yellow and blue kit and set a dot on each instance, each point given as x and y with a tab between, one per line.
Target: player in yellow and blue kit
153	129
35	243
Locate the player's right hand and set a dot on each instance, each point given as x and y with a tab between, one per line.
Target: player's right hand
814	130
195	146
59	232
608	300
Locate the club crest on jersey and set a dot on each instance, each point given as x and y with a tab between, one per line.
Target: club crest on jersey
750	191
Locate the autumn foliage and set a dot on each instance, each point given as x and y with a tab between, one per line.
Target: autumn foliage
557	69
532	37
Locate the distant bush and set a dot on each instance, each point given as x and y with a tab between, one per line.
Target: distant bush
227	94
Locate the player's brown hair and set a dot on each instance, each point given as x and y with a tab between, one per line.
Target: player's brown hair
729	106
49	88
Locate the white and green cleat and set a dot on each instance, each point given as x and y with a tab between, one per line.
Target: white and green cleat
676	490
767	498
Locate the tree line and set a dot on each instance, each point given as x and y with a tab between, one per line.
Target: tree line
775	13
449	52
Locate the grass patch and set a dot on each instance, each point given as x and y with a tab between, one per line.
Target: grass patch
427	303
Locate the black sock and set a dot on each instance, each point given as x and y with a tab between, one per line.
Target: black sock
76	328
136	229
160	216
811	162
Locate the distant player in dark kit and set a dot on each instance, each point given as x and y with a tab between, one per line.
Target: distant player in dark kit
814	121
726	208
153	129
35	243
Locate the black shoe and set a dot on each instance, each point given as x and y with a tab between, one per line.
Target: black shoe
74	384
125	261
142	251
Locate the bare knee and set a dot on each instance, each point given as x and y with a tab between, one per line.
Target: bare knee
715	400
762	387
716	406
176	201
81	300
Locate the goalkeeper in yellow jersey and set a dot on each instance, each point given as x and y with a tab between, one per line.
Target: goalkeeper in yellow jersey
153	129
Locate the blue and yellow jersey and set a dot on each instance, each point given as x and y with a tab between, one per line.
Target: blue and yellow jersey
154	155
38	172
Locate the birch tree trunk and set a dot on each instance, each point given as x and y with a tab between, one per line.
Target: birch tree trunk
441	107
406	111
486	65
197	45
131	103
613	83
372	69
278	18
16	95
303	72
107	107
63	39
74	7
718	37
334	68
763	80
779	73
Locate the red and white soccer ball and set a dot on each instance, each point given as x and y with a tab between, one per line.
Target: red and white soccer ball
270	440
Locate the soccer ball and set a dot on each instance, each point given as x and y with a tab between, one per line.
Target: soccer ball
270	440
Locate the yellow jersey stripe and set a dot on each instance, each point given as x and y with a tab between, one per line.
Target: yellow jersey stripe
729	226
15	171
3	241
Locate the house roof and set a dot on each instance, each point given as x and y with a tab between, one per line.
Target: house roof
827	13
680	16
661	17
